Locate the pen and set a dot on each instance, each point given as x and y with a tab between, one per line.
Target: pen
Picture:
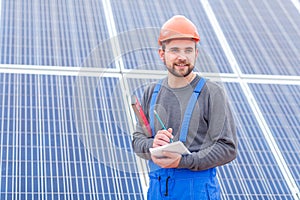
161	123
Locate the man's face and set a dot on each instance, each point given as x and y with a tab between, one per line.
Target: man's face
179	56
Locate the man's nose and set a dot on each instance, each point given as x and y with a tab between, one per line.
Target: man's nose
181	56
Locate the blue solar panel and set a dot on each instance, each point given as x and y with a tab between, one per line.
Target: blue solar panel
65	133
255	172
48	33
263	36
45	151
282	116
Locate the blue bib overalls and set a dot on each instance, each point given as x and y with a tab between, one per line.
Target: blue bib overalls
181	184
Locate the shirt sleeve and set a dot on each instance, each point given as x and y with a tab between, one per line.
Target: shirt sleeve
221	137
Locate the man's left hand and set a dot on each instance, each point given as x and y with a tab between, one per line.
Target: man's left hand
170	160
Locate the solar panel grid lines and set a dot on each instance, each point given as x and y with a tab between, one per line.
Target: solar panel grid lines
287	27
102	182
42	103
49	169
274	147
7	23
240	30
24	140
15	140
224	41
80	35
113	34
18	125
41	145
91	83
68	168
278	98
75	40
255	171
255	157
53	155
43	155
87	128
283	122
273	52
65	141
278	48
220	36
245	43
108	128
111	155
232	186
53	26
111	151
44	81
82	30
255	31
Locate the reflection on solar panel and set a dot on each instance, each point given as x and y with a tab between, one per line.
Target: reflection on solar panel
48	149
69	68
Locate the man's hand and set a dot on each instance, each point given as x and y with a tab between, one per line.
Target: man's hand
170	160
162	137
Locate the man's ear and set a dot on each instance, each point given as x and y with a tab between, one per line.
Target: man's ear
197	51
161	54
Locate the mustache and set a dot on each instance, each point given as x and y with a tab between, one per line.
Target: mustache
182	63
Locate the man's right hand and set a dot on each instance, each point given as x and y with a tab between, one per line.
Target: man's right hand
162	137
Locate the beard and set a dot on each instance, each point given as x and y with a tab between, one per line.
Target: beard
180	73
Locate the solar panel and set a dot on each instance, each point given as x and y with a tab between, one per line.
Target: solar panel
68	70
264	36
46	152
255	172
282	116
50	34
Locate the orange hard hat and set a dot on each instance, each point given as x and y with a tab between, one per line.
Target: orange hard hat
178	27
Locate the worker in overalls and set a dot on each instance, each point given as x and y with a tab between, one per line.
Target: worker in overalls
193	110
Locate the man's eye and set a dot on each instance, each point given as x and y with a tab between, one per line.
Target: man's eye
175	50
188	51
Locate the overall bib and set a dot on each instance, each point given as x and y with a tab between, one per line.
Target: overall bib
181	184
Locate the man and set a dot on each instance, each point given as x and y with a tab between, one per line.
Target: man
195	111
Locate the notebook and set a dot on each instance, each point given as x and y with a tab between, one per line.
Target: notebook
176	147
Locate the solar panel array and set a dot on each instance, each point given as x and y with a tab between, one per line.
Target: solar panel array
68	70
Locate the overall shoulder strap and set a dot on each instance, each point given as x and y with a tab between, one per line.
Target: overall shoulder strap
189	110
152	104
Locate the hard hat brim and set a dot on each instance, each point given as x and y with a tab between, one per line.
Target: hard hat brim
180	36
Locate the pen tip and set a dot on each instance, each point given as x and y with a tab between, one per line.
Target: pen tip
154	111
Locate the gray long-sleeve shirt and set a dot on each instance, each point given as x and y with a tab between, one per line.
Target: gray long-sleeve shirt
212	132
